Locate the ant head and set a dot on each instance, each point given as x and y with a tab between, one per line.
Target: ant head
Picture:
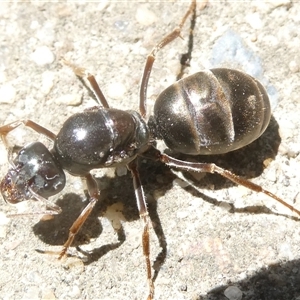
34	172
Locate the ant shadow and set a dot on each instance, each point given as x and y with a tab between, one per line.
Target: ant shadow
278	281
250	164
117	190
56	230
248	161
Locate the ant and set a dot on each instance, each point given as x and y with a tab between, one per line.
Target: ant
210	112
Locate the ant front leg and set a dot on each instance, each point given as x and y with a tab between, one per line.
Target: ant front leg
94	193
144	215
6	129
19	184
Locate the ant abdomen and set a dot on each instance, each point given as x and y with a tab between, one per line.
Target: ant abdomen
212	112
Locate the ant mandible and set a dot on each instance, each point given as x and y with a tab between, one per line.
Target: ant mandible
221	110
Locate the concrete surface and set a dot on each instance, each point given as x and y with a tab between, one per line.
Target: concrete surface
215	234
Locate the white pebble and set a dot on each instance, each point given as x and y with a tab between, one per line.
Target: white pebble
180	182
78	185
254	20
42	56
233	293
182	214
48	294
294	66
271	173
75	292
116	90
47	82
285	251
144	16
46	34
121	171
7	93
69	99
225	206
34	25
3	219
253	37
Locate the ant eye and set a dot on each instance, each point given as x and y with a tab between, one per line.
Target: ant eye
9	191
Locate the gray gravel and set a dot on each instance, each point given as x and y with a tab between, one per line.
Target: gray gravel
216	234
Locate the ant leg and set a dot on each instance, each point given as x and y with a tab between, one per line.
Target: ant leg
94	194
212	168
6	129
82	73
142	207
151	58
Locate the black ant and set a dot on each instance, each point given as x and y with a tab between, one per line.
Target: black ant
210	112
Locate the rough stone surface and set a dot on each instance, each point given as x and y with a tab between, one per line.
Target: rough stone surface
216	233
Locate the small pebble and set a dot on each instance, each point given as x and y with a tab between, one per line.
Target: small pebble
42	56
116	90
121	171
271	173
13	245
114	214
47	82
182	214
69	99
78	185
225	206
253	37
254	20
294	66
144	16
285	251
48	295
233	293
180	183
3	219
75	292
46	35
121	25
7	93
34	25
